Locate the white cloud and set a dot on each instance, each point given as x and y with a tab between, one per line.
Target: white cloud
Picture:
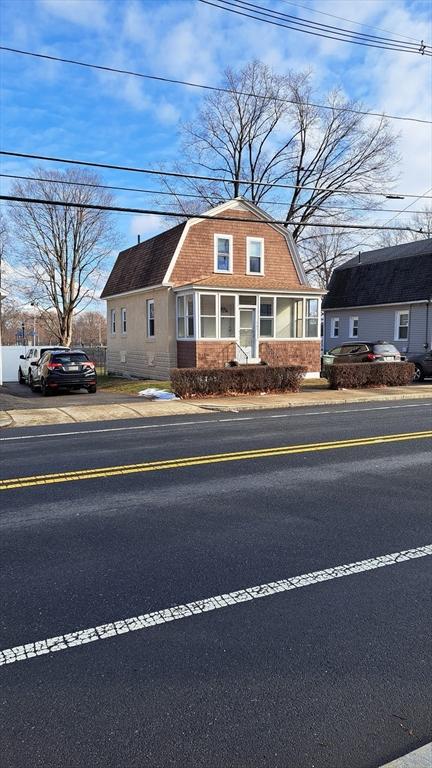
87	13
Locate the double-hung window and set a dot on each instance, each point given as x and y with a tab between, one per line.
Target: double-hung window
401	325
334	327
113	321
311	318
254	255
223	257
208	316
123	321
227	317
353	327
150	319
266	317
185	316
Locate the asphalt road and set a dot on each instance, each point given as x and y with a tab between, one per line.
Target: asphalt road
333	674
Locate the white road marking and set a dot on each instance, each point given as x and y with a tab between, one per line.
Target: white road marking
176	612
292	412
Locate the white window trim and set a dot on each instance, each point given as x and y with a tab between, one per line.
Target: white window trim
397	324
236	316
123	321
149	302
352	320
215	251
216	315
112	322
333	322
185	296
248	241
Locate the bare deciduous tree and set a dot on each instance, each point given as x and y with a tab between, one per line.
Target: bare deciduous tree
62	247
322	251
417	221
284	138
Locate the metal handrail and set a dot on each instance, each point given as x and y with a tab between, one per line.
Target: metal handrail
243	351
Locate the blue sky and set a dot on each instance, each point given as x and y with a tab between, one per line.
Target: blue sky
53	108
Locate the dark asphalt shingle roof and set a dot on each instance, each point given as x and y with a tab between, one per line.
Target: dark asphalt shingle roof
402	273
144	264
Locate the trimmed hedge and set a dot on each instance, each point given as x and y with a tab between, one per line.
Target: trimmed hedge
355	375
186	382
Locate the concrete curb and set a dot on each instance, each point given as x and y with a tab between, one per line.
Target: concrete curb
420	758
153	409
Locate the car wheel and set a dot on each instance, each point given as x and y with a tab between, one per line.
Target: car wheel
21	378
44	389
418	373
91	390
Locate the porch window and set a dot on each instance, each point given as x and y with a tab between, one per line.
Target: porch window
289	318
266	317
254	256
401	326
208	316
311	318
223	253
227	317
150	319
185	317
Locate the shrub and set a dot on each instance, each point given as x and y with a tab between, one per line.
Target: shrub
356	375
186	382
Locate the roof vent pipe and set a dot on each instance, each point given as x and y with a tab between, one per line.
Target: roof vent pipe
139	239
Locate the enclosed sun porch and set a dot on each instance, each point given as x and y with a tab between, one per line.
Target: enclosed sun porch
216	327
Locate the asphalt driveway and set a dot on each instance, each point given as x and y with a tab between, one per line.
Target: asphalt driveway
18	396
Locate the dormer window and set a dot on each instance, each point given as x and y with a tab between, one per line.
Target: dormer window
254	256
223	253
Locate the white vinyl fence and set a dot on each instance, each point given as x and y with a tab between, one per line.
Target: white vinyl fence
9	362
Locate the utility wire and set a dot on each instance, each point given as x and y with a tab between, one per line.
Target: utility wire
175	214
422	50
343	18
203	86
178	174
317	25
216	198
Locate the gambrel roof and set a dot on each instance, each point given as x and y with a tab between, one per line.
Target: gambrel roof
394	275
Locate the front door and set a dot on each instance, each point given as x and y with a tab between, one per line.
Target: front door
247	339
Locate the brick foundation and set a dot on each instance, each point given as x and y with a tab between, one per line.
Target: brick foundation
215	354
307	353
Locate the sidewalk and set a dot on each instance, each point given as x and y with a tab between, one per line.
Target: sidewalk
420	758
134	408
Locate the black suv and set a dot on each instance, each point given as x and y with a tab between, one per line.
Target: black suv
63	370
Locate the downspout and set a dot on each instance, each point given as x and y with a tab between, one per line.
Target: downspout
428	302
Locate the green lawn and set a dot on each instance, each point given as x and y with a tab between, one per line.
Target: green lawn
130	386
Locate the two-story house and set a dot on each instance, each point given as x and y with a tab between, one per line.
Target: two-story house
209	291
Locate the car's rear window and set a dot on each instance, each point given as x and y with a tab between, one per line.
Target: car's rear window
385	349
67	357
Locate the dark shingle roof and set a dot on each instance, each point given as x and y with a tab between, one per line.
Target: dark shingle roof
144	264
394	275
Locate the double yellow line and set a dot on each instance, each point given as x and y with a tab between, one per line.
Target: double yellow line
213	458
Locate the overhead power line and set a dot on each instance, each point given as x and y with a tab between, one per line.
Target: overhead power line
216	198
176	214
350	21
180	175
281	20
206	87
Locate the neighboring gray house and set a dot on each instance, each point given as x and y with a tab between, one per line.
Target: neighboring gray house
384	294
